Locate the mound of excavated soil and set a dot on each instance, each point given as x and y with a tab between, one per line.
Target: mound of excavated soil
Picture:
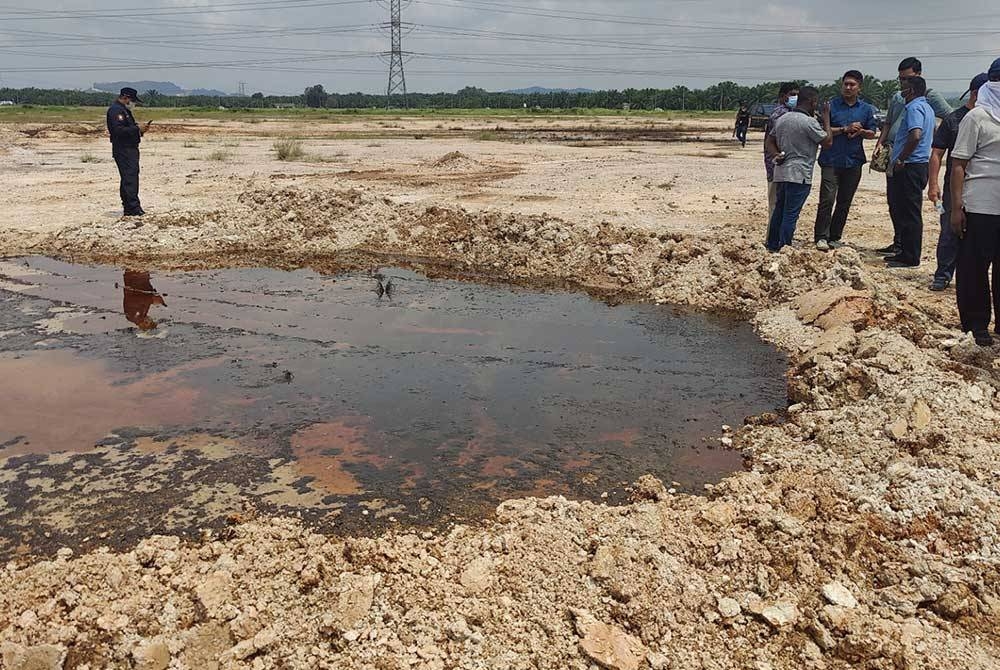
64	130
865	535
455	161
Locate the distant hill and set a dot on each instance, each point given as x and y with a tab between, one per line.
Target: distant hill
539	89
161	87
164	87
205	91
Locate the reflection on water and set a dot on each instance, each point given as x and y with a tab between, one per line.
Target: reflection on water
138	296
436	398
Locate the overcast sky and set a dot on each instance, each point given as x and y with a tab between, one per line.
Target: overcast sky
282	46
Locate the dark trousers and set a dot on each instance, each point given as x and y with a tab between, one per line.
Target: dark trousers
781	228
906	198
978	250
888	197
741	134
948	243
836	190
127	160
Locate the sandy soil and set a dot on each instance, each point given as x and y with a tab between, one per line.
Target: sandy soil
865	535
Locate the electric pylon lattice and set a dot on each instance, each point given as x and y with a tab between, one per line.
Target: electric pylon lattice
397	78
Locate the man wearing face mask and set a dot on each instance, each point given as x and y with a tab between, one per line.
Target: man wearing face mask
944	143
125	138
788	98
908	67
908	172
975	211
792	146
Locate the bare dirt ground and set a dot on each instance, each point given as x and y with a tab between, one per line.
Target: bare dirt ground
865	534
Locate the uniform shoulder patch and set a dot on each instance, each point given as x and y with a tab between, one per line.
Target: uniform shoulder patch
121	117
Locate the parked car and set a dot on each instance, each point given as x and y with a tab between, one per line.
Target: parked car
880	116
6	103
760	113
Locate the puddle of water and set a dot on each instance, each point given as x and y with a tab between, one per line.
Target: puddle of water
412	399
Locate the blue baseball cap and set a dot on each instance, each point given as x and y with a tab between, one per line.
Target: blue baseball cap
995	70
977	83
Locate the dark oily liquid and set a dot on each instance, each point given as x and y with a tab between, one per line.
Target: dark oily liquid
137	403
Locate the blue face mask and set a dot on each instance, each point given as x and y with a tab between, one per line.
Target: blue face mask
793	100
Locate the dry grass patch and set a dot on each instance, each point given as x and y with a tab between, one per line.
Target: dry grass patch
288	149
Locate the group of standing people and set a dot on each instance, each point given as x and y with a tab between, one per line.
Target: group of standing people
790	145
910	149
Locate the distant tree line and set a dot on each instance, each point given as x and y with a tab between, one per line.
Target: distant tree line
722	96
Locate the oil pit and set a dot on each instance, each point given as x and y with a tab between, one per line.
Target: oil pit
138	402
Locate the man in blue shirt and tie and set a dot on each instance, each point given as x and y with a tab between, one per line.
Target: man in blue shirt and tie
853	122
908	174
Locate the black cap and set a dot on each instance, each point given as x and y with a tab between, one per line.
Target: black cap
129	92
977	83
995	70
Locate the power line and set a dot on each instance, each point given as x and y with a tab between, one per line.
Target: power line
719	26
262	5
431	31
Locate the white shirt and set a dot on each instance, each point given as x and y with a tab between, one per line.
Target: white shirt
979	143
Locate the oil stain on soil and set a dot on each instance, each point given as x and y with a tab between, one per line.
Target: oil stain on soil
136	404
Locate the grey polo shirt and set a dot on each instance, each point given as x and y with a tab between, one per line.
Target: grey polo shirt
799	136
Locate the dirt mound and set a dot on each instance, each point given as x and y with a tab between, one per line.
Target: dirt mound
290	220
64	130
673	576
455	161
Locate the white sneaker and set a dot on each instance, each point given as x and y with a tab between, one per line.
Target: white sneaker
823	245
836	245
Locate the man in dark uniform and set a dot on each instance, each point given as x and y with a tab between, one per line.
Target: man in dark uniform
125	137
742	123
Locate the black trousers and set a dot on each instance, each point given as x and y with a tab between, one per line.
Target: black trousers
906	199
741	134
127	160
979	250
837	189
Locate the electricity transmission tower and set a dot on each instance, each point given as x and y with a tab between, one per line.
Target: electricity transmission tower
397	78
